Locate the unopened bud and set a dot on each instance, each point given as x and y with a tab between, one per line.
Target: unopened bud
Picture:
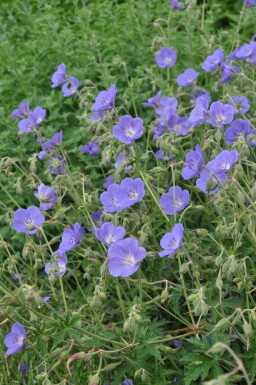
202	232
184	268
129	325
164	296
247	330
221	324
94	380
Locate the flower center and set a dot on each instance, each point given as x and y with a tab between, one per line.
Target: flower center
129	260
167	60
133	194
130	132
177	203
104	101
29	224
172	243
72	240
110	239
115	202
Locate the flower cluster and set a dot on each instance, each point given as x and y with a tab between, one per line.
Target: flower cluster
70	84
120	196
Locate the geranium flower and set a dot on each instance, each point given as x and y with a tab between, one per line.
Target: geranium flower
194	162
239	129
240	104
175	200
28	220
166	58
128	129
56	164
70	87
15	339
21	112
59	76
220	114
46	195
71	237
154	101
213	61
172	241
109	234
187	78
105	99
130	192
124	257
91	148
109	199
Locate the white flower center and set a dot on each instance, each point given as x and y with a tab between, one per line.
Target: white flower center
133	194
130	132
129	260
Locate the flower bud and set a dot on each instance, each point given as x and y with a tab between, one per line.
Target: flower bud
94	380
184	268
247	330
202	232
129	325
221	324
164	296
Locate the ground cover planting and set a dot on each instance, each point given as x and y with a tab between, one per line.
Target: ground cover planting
127	192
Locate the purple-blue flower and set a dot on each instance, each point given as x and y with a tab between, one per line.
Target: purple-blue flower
127	382
105	99
15	339
109	234
21	112
161	156
172	241
109	199
46	195
194	162
109	181
247	53
128	129
91	148
97	115
228	72
167	106
71	237
200	113
238	130
59	76
122	158
166	58
23	369
187	78
124	257
130	192
220	114
240	104
210	182
179	125
159	129
56	164
224	161
197	92
55	141
38	114
28	124
58	267
28	220
175	200
250	3
213	61
176	5
154	101
176	343
70	87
